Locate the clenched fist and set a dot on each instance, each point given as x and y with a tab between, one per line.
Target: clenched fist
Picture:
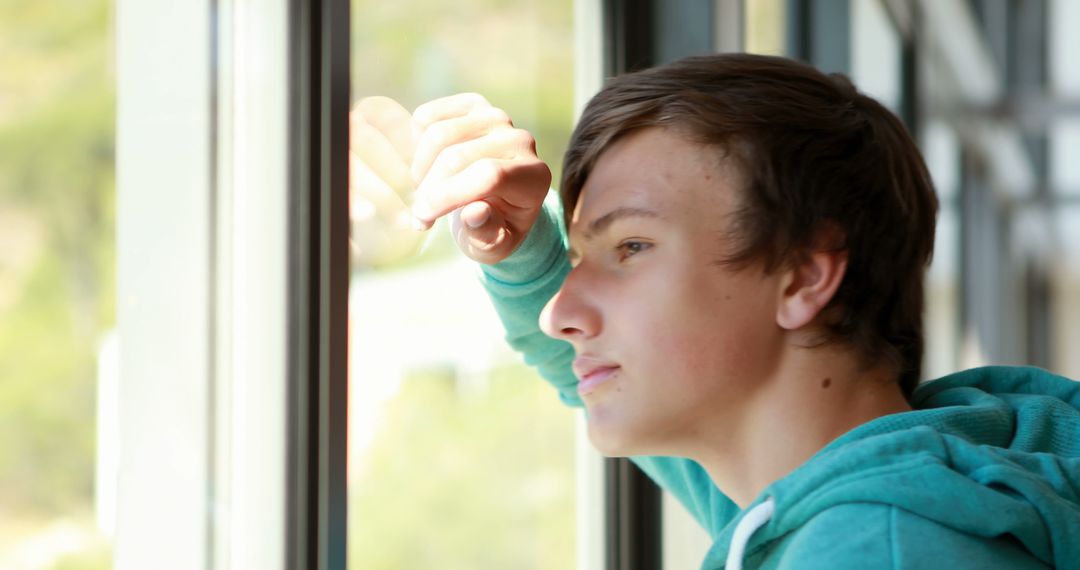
457	155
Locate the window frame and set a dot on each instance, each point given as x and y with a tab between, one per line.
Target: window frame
232	283
319	67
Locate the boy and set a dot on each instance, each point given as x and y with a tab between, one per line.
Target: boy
738	306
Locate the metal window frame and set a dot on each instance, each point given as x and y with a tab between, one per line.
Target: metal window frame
233	283
319	99
632	502
819	33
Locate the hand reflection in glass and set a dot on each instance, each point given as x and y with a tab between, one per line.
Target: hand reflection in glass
382	142
457	155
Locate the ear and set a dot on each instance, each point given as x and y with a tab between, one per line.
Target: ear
808	286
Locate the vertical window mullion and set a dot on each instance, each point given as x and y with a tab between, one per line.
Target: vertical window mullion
635	40
251	508
633	537
319	226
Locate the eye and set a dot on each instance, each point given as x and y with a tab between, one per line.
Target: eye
630	248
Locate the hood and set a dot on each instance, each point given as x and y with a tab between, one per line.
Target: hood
987	452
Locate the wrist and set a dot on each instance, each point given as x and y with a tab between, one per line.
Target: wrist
541	247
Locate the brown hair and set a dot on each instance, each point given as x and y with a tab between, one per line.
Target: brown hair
813	155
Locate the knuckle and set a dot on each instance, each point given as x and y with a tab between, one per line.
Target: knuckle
524	140
451	160
475	98
500	116
492	173
491	115
356	117
439	134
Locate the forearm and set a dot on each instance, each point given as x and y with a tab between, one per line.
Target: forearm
520	286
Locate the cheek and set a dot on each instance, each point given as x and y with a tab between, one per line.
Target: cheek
717	328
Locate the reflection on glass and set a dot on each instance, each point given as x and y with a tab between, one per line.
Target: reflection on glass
459	456
382	185
56	283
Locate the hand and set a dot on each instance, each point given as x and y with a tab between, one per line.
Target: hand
382	137
472	163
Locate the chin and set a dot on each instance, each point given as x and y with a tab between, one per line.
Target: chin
611	442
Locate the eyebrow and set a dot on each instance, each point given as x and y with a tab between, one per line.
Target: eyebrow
601	224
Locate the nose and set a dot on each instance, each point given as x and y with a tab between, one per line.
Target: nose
569	315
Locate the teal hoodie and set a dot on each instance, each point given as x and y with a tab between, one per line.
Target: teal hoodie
983	473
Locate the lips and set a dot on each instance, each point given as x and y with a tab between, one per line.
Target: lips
592	372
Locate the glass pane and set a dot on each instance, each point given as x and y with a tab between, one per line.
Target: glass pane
459	455
1065	274
57	258
1063	46
1064	137
941	150
765	26
1064	177
875	53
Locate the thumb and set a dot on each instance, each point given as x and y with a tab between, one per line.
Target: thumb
475	214
481	233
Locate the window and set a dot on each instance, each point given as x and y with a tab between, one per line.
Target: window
460	456
174	268
57	286
1064	182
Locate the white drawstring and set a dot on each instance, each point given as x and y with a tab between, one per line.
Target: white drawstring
754	519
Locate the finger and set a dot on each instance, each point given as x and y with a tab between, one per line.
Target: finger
515	181
448	108
393	120
500	143
372	147
378	243
445	133
370	187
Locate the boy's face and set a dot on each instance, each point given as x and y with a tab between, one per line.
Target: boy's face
670	345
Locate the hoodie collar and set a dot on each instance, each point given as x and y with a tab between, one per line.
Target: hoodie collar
1006	439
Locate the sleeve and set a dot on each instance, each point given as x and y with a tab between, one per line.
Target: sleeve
519	287
688	482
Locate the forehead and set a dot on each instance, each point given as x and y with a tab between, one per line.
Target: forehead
661	170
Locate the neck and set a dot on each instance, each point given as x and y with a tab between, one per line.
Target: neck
815	396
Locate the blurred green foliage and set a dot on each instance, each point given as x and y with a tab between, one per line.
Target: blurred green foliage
57	259
57	115
97	558
460	480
